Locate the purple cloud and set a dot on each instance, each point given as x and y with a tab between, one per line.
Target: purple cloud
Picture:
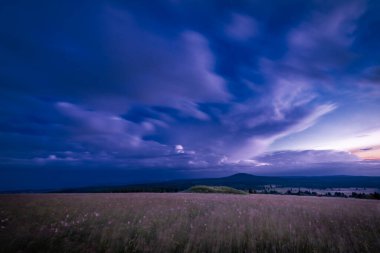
241	27
304	157
109	134
207	86
175	72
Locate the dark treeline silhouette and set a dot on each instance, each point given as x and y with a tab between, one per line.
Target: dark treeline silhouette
374	195
249	183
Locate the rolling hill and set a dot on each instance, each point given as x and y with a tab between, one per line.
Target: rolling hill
242	181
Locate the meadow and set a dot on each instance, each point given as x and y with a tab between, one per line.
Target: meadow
187	222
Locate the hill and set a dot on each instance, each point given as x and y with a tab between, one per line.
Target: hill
242	181
214	189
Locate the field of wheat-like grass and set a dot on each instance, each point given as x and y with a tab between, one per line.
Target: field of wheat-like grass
187	222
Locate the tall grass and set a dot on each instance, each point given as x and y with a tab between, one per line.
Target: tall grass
186	222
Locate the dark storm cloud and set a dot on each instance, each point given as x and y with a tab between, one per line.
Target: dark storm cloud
115	62
125	83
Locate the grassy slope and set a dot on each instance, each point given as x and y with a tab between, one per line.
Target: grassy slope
214	189
187	222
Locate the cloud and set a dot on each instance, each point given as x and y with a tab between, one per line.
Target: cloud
311	119
316	48
312	163
369	137
176	72
321	43
368	153
188	89
256	144
241	27
119	64
304	157
109	134
372	75
179	149
368	82
316	169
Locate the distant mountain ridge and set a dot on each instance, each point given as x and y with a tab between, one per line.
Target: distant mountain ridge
243	181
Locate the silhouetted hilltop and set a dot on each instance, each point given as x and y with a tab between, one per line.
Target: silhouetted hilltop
243	181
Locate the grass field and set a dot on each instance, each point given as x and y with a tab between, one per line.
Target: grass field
187	222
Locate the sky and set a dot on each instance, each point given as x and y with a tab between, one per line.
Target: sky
113	92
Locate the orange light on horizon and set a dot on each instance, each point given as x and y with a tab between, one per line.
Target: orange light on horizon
371	153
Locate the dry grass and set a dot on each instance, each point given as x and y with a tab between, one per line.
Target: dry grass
185	222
